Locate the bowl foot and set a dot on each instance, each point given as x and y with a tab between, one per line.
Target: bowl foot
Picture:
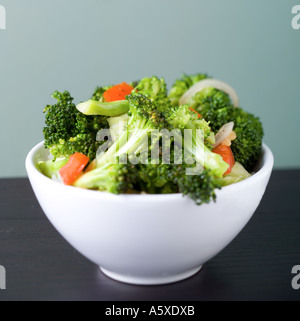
163	279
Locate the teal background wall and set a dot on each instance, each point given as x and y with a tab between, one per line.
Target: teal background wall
76	45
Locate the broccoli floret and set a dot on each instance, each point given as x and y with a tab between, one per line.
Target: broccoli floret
181	117
143	118
68	131
175	178
98	92
152	87
155	89
182	85
247	146
216	107
196	134
51	168
113	178
155	179
200	188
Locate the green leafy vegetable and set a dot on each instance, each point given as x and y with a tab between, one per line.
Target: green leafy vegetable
68	130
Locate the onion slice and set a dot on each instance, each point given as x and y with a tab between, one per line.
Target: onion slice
205	83
223	133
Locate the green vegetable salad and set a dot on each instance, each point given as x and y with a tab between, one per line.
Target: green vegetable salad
137	137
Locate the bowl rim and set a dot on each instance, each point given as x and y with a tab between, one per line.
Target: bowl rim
267	162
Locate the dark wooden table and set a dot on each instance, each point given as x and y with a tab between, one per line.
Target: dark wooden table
257	265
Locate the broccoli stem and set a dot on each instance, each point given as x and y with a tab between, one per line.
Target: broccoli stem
94	179
194	145
130	142
207	158
110	156
50	168
113	178
93	107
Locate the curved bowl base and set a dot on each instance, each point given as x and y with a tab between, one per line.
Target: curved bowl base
164	279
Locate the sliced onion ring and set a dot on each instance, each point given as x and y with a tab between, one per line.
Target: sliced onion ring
223	133
205	83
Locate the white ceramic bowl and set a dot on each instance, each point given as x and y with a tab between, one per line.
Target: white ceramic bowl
148	239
